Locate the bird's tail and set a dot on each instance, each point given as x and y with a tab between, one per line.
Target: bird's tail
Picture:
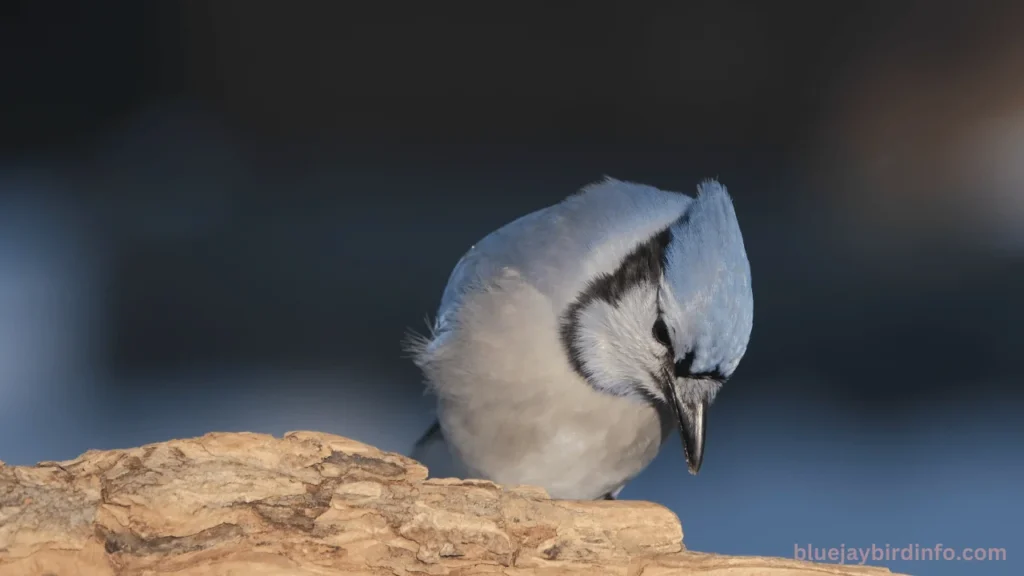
433	434
432	451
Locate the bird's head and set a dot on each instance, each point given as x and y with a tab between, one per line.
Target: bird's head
672	323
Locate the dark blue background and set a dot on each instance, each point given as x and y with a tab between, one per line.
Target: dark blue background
224	216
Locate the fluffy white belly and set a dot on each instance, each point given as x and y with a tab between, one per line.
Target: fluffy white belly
581	454
513	410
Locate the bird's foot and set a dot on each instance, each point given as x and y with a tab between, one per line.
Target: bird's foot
614	494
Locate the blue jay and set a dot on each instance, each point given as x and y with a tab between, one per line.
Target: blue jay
570	342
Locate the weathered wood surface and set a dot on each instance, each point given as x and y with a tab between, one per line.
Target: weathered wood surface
317	504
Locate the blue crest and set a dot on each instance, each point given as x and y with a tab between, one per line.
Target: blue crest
707	270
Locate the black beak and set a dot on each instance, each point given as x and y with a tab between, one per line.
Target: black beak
692	423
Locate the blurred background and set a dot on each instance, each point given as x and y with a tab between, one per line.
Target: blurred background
225	216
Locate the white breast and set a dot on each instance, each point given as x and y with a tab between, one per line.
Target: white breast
515	412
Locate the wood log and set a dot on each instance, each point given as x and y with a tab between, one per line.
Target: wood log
317	504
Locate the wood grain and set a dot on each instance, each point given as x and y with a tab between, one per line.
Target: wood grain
317	504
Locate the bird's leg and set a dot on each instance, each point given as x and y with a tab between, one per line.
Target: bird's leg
613	495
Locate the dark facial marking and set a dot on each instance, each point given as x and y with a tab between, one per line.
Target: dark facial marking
643	265
684	366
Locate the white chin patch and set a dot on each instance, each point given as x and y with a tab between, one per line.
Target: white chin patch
617	346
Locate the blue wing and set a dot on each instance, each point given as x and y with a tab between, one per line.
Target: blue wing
558	249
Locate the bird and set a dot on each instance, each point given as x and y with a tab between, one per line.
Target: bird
570	343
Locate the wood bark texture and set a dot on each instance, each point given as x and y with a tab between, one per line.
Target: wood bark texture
313	504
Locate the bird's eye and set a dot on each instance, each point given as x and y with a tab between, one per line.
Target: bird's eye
661	333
